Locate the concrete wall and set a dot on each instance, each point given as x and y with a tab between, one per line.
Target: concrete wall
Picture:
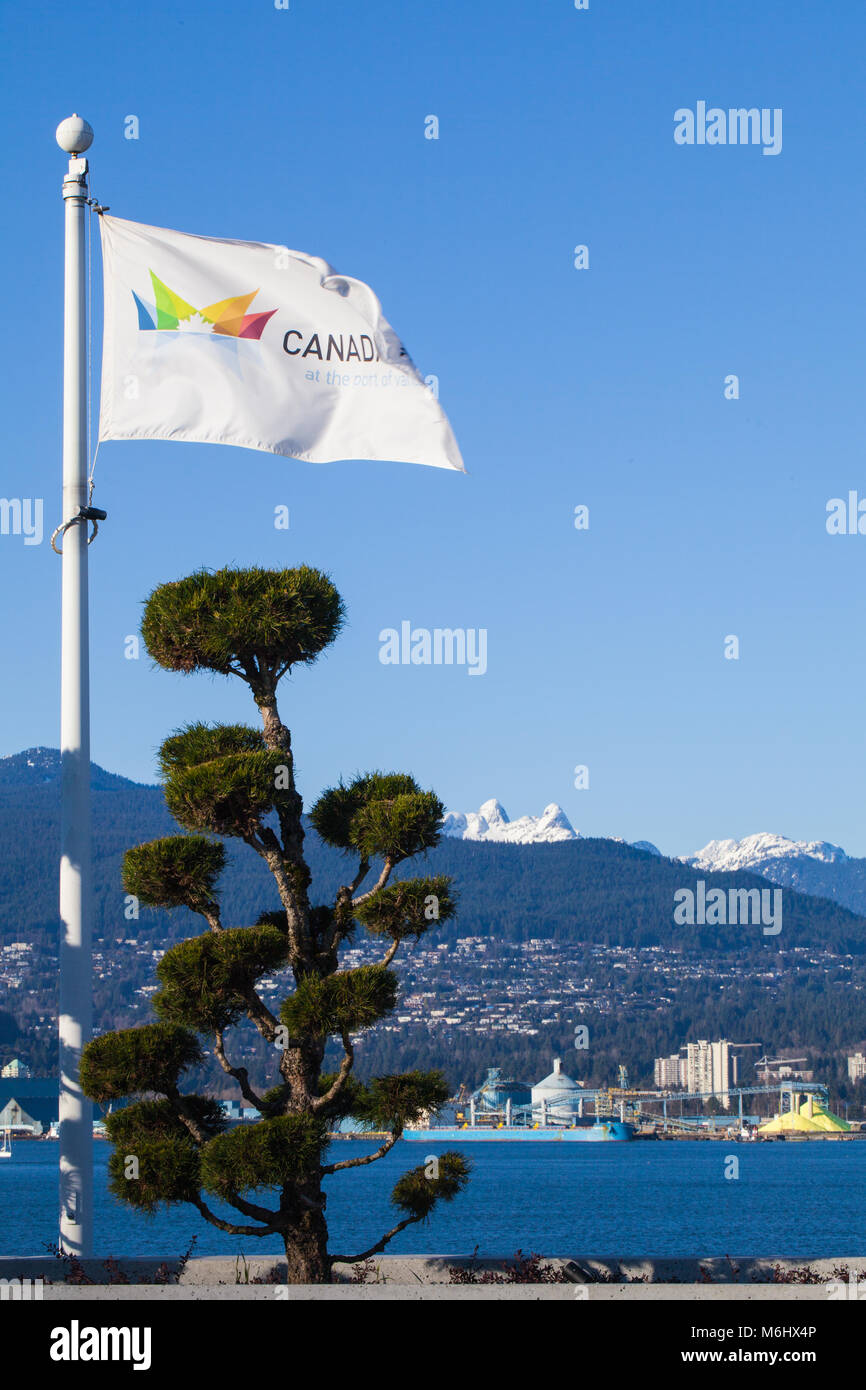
215	1272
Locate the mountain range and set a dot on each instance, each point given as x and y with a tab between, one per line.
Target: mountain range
754	850
126	812
816	867
491	822
602	908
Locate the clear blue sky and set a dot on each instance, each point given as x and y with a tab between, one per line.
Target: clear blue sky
604	387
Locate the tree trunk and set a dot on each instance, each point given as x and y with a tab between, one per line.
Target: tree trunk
278	739
307	1250
276	734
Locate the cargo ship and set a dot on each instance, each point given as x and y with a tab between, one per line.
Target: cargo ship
603	1131
503	1110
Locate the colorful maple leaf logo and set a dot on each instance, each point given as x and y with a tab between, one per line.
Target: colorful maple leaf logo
171	314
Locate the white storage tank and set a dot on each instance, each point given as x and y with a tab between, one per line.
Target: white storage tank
561	1097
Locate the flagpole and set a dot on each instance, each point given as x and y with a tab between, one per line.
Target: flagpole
76	1005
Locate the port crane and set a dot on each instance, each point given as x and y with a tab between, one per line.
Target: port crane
765	1063
462	1098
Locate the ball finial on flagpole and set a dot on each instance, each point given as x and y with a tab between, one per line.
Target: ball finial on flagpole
74	135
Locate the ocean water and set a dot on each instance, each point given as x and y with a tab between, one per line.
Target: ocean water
802	1200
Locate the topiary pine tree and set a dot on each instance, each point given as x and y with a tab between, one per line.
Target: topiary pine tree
238	781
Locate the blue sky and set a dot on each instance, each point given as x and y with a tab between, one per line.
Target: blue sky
602	387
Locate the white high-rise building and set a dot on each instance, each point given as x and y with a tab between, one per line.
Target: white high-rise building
721	1060
699	1066
668	1072
711	1068
707	1067
857	1067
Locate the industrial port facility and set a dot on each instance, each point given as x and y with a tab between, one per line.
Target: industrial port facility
560	1110
556	1109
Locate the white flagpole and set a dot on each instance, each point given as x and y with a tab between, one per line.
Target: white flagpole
76	1004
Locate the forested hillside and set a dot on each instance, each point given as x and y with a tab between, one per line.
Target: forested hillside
602	909
591	890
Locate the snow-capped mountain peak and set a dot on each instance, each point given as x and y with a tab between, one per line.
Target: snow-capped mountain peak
725	856
491	823
554	820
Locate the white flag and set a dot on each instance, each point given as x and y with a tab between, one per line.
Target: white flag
240	342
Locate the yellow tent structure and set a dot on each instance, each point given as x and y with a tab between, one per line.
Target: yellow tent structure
809	1118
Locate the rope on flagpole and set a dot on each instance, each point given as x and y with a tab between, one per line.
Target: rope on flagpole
96	209
85	514
89	236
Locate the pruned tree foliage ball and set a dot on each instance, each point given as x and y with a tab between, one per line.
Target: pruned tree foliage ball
150	1058
166	1170
417	1193
206	982
176	871
159	1118
155	1158
218	620
268	1154
389	1102
340	1003
398	829
333	815
228	796
202	743
409	907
